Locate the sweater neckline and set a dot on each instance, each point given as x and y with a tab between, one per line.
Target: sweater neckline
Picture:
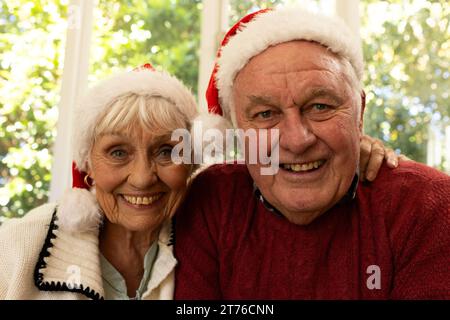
350	195
279	222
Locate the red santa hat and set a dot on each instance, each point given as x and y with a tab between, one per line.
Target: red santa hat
259	30
78	209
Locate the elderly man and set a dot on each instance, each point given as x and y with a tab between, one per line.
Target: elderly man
310	231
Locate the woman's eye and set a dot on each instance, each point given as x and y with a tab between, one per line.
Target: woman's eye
164	153
118	154
167	150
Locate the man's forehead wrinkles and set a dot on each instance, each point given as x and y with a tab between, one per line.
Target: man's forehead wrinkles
290	71
263	99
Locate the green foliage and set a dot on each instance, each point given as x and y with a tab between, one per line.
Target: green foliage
31	50
407	50
130	33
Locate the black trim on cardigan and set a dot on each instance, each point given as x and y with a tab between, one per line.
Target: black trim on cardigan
41	264
172	233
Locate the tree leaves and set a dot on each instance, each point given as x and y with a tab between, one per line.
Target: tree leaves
32	43
407	49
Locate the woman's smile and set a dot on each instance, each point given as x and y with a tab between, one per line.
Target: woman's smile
142	202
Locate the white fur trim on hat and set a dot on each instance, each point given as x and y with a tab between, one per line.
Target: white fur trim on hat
142	82
78	211
278	26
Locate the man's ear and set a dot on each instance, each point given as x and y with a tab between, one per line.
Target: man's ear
363	107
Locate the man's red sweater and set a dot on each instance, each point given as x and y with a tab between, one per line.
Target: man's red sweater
391	241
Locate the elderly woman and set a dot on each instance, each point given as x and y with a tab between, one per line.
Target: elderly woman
115	240
110	237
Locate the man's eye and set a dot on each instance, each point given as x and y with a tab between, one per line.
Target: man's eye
265	114
318	111
118	154
320	106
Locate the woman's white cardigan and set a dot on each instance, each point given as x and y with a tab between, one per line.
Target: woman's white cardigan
39	261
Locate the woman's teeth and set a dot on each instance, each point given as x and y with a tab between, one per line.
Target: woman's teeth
297	167
142	200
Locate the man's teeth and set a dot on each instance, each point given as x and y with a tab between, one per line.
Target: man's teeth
142	200
296	167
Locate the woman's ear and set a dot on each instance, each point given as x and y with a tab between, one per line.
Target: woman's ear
89	178
89	168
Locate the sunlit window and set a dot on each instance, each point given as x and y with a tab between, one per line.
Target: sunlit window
407	52
32	40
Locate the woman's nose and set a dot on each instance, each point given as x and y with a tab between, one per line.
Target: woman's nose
143	173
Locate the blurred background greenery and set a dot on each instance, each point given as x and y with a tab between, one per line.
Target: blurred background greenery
406	46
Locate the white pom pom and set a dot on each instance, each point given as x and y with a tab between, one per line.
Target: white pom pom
78	211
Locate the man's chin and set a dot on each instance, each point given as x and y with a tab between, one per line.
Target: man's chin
302	218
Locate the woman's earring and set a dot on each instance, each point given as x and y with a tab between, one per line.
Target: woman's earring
86	181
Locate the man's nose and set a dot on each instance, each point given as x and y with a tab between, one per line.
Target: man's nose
143	173
296	134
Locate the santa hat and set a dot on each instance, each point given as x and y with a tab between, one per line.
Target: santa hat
259	30
78	210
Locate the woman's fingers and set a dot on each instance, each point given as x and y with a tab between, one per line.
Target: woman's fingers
376	158
391	158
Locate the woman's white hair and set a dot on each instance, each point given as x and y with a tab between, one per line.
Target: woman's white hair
154	113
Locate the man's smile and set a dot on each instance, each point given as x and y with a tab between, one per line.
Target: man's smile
302	167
